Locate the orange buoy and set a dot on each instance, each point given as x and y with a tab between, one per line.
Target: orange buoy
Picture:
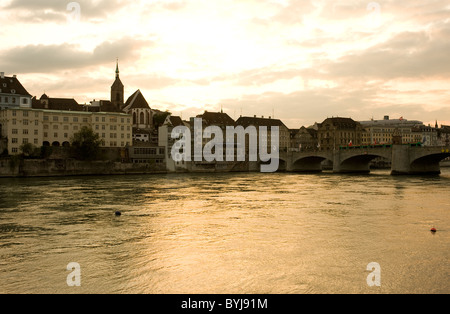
433	230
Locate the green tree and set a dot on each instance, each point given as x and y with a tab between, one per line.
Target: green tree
86	144
29	150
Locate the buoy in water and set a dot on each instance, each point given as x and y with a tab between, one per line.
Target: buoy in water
433	230
118	213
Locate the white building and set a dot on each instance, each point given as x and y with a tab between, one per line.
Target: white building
12	93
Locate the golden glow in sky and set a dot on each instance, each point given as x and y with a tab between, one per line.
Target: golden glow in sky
304	60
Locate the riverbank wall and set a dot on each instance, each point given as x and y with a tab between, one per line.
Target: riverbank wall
12	168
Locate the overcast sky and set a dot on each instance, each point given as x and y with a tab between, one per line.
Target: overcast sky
299	60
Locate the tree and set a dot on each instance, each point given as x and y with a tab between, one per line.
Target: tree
29	150
86	144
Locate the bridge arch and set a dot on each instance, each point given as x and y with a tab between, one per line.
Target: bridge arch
358	163
428	163
309	163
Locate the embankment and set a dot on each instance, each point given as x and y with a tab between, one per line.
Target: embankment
70	167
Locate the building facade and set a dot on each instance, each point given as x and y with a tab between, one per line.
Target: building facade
257	122
334	133
54	121
304	139
378	132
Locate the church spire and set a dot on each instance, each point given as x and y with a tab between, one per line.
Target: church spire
117	68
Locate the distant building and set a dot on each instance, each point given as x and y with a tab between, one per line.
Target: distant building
218	119
54	121
443	136
117	91
165	140
334	133
284	132
426	135
304	139
382	131
12	93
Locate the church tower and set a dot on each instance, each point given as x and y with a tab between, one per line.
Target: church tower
117	91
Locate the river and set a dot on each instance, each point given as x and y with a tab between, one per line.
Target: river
242	233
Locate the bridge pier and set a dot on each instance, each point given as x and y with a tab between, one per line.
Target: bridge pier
404	162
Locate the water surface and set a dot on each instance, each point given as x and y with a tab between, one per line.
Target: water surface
226	233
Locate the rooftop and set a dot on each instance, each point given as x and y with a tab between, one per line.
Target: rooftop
11	85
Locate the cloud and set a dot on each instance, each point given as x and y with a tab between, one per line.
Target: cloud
38	10
406	55
51	58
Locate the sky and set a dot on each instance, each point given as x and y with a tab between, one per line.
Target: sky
299	61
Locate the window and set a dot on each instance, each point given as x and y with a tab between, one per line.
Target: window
14	113
66	119
55	119
45	126
25	122
13	100
85	120
36	132
36	141
46	118
66	135
55	127
55	134
75	119
75	128
14	121
97	119
14	140
25	113
103	119
25	101
14	150
15	131
66	127
25	141
25	131
36	122
45	134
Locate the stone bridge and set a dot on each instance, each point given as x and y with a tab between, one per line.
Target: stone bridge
405	159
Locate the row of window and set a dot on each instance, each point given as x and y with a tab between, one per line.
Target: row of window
149	151
86	120
25	114
24	141
15	150
5	100
113	127
25	122
25	131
